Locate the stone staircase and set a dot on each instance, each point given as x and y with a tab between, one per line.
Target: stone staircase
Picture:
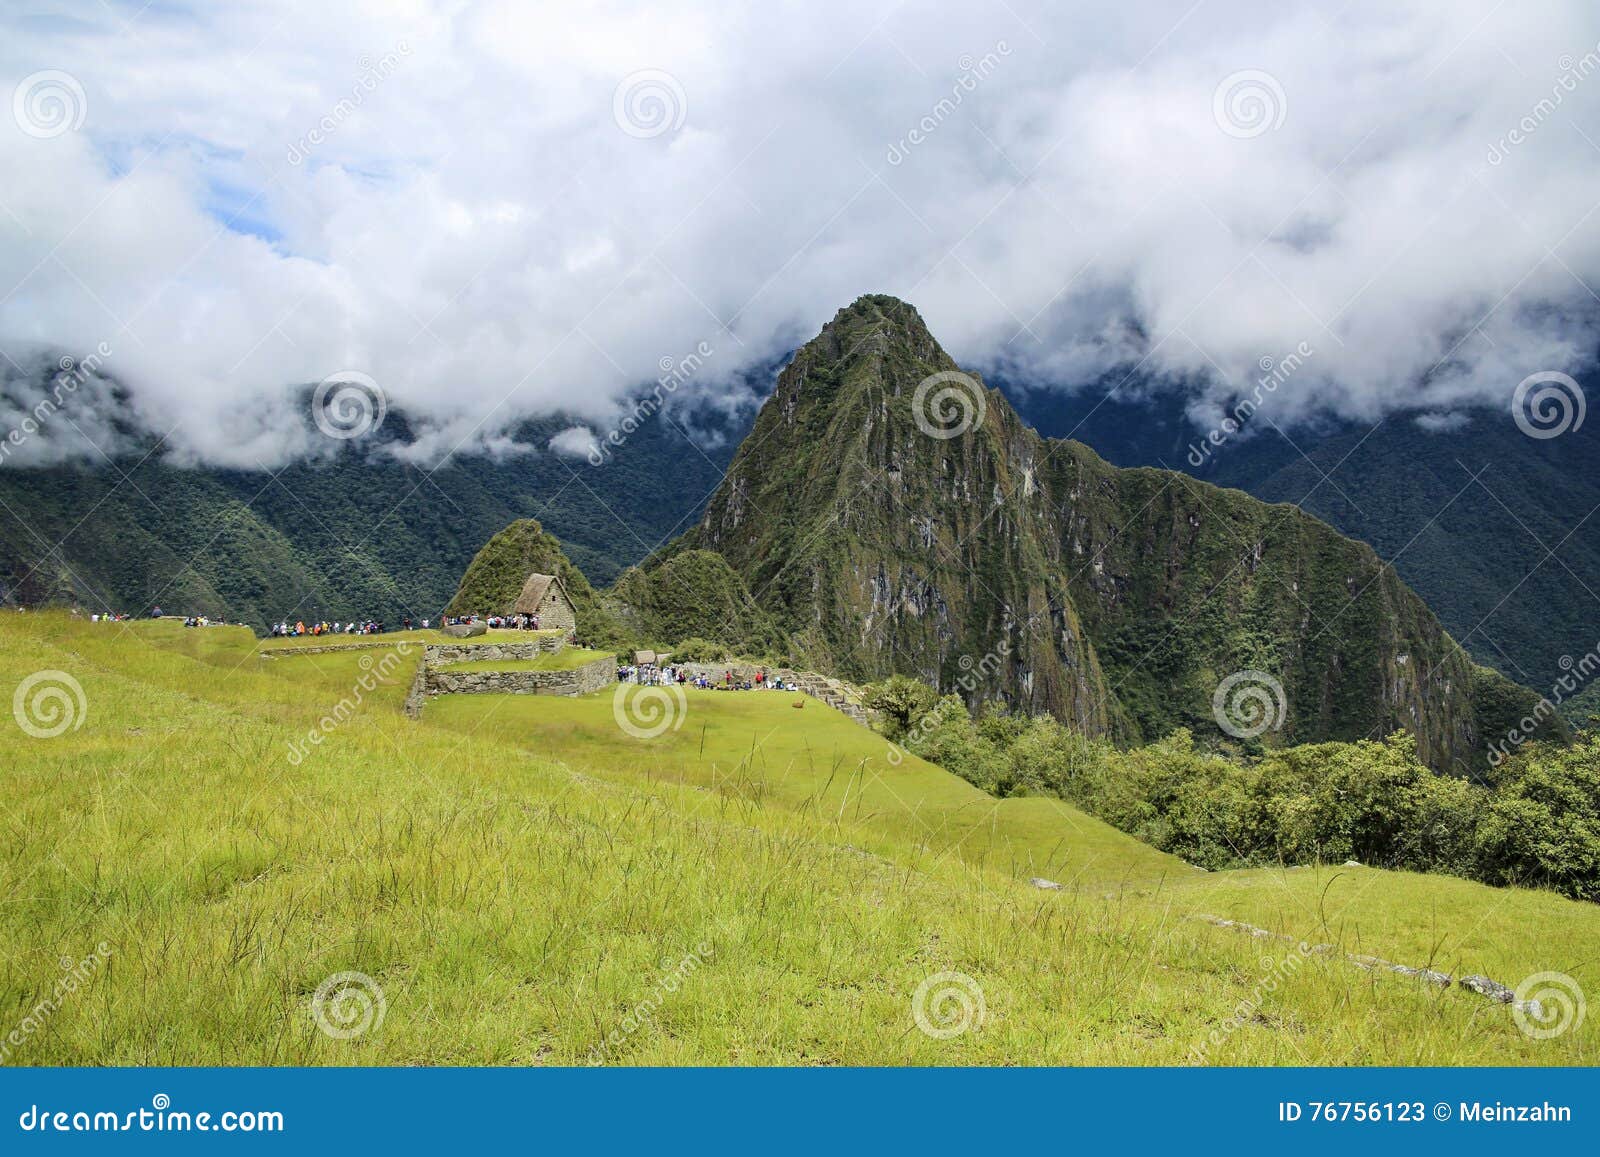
834	693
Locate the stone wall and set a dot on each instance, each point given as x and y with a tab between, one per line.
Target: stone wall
555	611
355	643
470	679
418	695
438	653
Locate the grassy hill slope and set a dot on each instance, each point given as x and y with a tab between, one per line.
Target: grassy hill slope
756	750
515	907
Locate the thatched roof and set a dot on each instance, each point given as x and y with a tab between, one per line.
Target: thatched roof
643	658
533	592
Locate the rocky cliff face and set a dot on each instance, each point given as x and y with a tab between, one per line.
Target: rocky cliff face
896	516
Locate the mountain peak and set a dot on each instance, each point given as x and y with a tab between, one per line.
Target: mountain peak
882	305
876	347
895	516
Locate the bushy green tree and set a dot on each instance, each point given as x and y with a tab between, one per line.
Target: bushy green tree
1542	824
946	735
1046	758
1537	824
901	702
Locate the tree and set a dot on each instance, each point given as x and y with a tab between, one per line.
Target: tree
1542	825
901	701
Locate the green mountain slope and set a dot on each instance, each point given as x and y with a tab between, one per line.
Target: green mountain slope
694	594
361	536
1495	528
1497	531
1032	572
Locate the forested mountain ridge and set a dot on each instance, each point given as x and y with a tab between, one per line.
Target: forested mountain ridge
361	535
1496	530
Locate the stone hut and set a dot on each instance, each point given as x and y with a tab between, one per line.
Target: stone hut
543	595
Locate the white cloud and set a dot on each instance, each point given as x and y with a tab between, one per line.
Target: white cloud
575	442
1444	423
474	231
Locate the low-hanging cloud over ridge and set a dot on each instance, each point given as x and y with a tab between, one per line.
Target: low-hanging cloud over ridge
496	210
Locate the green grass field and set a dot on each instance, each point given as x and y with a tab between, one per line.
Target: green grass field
756	749
525	882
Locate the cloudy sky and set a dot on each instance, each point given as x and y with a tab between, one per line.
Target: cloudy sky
499	209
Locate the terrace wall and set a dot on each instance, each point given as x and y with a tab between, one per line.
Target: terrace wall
468	679
490	652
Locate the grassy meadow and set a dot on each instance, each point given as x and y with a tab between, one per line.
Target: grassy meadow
521	880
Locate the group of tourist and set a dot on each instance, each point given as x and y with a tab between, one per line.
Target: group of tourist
285	630
155	613
649	675
498	622
373	627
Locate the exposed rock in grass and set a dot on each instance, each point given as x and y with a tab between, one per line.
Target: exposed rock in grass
1481	985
